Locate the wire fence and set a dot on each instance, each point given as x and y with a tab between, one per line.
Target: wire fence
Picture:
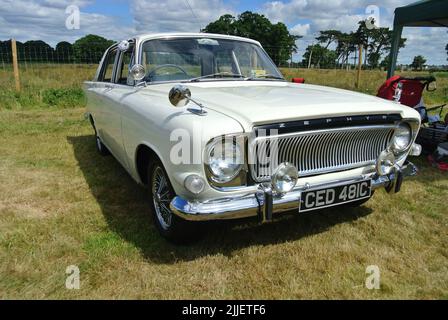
39	53
41	66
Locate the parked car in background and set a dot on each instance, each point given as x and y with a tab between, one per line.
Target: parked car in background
210	126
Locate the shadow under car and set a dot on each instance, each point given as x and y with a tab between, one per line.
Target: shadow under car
125	207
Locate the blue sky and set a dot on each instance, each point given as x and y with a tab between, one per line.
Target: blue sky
117	8
118	19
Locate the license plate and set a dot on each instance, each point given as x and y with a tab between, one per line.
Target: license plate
328	197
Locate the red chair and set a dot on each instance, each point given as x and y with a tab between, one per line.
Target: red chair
411	89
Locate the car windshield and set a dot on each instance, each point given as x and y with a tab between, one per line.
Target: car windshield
206	59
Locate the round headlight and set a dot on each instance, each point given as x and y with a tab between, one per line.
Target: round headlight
225	160
402	137
285	178
385	163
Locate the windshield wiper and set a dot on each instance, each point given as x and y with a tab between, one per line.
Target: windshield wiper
215	75
265	76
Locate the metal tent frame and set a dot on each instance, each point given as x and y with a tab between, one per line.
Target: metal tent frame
424	13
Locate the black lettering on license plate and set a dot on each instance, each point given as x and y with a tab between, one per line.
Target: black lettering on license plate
322	198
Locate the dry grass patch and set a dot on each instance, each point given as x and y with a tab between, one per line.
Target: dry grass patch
371	80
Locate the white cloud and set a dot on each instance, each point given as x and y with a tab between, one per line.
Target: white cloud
45	19
286	12
176	15
290	11
344	15
31	20
344	23
300	29
428	42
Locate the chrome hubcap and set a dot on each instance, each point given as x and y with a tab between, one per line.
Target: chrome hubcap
162	197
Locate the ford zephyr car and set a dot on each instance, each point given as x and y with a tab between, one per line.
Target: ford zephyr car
208	123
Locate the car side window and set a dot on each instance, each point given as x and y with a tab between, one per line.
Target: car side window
108	66
126	60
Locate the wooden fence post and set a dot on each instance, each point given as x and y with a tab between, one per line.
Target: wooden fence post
15	64
358	76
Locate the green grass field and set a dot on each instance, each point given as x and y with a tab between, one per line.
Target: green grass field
62	204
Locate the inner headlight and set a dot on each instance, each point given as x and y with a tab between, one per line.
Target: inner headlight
285	177
385	163
225	160
402	138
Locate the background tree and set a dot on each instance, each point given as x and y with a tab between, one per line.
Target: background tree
418	63
320	57
275	38
346	45
376	42
381	43
5	50
90	49
326	38
224	25
385	63
64	52
36	51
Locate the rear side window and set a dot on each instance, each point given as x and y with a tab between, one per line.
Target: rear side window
108	66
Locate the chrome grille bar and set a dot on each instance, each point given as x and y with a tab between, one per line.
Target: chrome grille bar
319	151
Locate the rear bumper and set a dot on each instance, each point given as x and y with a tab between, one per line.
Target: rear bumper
263	203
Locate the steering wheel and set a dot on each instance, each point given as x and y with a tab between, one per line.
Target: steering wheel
154	71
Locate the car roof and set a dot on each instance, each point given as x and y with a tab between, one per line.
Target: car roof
152	36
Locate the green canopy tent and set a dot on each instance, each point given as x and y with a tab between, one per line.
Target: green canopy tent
425	13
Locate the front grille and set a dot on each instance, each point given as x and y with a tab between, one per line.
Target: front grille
319	151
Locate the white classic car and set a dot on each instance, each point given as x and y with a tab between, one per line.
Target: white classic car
208	123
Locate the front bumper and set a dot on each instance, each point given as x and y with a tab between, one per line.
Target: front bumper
263	202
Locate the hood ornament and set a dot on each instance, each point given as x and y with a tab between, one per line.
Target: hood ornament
180	96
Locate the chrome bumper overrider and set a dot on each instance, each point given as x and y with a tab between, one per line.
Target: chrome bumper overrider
263	202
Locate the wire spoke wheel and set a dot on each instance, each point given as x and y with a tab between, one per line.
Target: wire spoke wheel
162	196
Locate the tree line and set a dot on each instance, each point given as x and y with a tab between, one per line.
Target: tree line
276	39
88	49
333	48
376	44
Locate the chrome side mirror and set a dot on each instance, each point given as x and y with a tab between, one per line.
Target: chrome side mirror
179	96
137	72
123	46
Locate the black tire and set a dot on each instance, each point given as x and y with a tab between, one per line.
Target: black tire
169	225
100	147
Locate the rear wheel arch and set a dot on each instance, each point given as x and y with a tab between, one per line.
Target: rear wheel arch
92	122
100	146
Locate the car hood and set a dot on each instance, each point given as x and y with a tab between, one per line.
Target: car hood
260	102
